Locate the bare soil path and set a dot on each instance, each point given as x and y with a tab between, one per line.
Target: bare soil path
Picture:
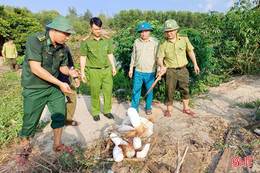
217	113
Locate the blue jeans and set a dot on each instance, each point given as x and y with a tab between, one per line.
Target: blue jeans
139	78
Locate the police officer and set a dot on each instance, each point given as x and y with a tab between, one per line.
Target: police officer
144	60
172	54
45	57
96	53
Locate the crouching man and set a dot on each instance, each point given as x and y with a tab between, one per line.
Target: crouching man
45	57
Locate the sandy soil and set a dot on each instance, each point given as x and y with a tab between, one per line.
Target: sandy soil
216	111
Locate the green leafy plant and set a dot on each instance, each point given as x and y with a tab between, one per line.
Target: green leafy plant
122	86
20	60
204	52
10	105
252	105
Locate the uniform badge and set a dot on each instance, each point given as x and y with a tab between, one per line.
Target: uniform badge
61	54
142	26
169	25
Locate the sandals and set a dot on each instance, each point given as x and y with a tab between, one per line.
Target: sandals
72	123
168	113
23	156
62	148
189	112
148	112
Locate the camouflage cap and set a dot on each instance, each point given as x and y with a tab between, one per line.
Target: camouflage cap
62	24
170	25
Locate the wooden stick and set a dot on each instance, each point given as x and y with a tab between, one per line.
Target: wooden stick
185	152
154	83
48	162
144	169
41	165
178	158
153	168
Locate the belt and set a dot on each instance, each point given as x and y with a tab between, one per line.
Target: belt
100	68
179	68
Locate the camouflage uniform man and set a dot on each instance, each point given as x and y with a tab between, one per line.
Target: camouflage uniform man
172	53
96	52
45	57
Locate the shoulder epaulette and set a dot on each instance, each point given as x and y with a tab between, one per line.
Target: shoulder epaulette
41	37
85	38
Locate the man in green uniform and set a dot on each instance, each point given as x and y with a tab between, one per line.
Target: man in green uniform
96	53
172	54
9	52
45	57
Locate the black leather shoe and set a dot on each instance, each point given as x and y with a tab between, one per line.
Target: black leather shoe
96	118
109	115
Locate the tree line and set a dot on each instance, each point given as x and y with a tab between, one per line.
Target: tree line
234	36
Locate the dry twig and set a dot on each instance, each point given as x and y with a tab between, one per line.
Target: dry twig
178	158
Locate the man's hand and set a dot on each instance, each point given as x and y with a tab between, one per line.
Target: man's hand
196	69
74	72
158	74
77	82
162	70
65	88
83	78
113	71
130	73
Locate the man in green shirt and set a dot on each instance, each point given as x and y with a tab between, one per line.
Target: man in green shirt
9	52
45	57
172	54
96	53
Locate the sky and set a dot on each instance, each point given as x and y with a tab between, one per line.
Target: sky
111	7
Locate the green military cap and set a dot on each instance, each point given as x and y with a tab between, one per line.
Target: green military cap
62	24
170	25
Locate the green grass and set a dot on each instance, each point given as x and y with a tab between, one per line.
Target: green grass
251	105
10	105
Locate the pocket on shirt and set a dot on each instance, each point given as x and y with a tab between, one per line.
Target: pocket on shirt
182	49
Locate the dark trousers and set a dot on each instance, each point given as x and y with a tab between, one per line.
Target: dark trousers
176	79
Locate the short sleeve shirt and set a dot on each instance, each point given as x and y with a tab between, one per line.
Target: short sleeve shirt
96	51
40	48
174	54
144	55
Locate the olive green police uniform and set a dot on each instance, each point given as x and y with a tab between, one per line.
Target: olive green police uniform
99	71
175	59
38	92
